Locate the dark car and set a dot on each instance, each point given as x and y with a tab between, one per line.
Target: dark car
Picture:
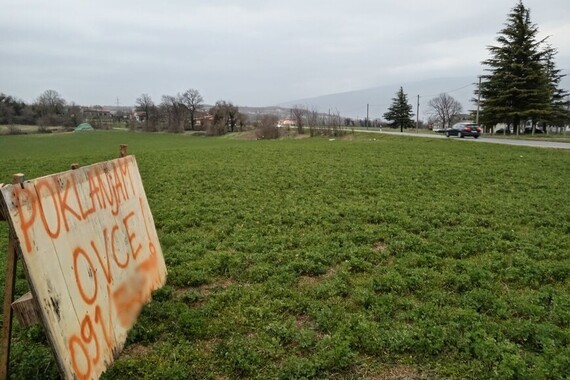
464	129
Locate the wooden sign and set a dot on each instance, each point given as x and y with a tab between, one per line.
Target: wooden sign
92	256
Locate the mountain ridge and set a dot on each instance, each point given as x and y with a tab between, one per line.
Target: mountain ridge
353	103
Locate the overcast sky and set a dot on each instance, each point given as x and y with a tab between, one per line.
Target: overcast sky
251	52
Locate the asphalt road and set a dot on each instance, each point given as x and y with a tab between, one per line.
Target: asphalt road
482	139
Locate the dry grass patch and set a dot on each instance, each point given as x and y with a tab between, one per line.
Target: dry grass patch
315	280
205	290
136	350
401	372
379	246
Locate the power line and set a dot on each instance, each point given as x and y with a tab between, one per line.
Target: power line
447	92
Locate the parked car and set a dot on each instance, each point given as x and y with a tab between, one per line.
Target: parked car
464	129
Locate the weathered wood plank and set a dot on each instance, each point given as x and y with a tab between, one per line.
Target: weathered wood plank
26	310
7	309
92	254
2	217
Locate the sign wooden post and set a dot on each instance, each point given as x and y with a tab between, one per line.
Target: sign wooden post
11	261
92	258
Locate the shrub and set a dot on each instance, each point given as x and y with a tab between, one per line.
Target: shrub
215	129
298	368
14	130
267	133
267	128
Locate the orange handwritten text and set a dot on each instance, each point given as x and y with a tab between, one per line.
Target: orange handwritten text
128	276
60	202
107	259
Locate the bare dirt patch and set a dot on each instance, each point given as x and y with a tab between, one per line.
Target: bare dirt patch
379	246
302	321
402	372
314	280
204	290
310	280
136	350
223	283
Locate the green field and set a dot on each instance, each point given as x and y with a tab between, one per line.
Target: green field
364	258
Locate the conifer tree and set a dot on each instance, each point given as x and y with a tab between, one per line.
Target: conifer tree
517	87
559	114
400	113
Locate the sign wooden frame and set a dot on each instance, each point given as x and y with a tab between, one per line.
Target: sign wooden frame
85	336
11	266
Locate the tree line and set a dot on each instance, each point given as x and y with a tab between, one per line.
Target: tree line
175	113
186	111
49	109
521	85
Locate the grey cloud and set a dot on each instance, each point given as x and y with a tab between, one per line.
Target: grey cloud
252	52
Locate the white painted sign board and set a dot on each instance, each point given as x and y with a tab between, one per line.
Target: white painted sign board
92	255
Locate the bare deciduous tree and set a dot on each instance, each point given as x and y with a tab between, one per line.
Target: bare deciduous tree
267	127
268	121
335	124
145	105
50	106
193	102
334	119
444	109
298	113
226	116
175	112
242	120
50	102
312	117
73	116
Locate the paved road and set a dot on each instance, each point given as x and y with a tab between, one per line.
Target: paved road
482	139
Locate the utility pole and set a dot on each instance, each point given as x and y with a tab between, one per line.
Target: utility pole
367	113
568	106
478	100
418	116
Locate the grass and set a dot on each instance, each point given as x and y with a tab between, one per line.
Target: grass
557	137
390	257
554	137
4	129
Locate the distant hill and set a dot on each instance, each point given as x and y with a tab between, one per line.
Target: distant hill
254	112
353	103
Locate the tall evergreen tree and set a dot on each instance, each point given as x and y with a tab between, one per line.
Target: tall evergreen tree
559	114
517	86
400	113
